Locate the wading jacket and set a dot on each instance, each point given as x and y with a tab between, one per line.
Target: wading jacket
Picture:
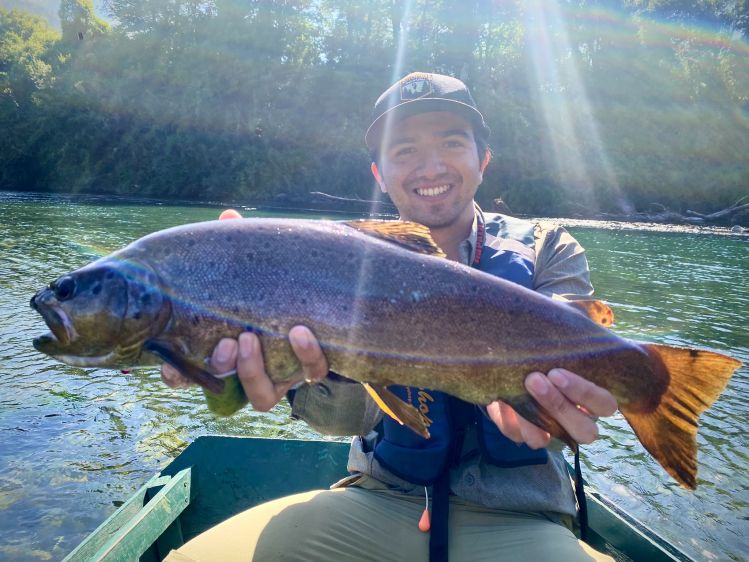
508	251
488	470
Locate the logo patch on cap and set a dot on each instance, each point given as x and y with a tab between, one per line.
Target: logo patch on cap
415	86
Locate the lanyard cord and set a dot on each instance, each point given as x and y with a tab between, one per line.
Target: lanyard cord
582	503
480	236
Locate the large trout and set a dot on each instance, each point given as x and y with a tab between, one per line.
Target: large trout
387	309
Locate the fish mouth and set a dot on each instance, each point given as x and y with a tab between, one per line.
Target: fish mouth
62	333
51	345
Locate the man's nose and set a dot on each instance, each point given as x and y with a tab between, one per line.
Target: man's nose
432	163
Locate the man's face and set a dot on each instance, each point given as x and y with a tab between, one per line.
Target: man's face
429	166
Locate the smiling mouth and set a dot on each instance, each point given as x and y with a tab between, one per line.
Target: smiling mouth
434	191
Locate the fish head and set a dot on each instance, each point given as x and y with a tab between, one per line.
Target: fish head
101	314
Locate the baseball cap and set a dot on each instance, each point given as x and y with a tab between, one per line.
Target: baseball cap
421	92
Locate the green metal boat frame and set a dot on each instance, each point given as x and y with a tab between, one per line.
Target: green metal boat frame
216	477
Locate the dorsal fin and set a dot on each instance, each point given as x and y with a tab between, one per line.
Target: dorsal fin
410	235
598	311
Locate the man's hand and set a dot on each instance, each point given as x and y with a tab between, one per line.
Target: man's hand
572	400
245	355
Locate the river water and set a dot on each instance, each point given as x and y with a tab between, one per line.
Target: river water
75	443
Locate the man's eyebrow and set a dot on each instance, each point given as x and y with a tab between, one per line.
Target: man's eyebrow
442	134
400	140
454	132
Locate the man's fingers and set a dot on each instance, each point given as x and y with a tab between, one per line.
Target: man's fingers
229	214
592	398
307	350
260	390
173	378
581	427
224	357
515	427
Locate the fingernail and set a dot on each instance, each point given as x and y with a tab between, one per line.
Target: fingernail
538	384
224	351
301	339
246	344
558	377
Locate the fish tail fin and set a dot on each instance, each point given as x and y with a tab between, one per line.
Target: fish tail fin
400	411
669	432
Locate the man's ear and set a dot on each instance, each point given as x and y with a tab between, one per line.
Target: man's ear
485	161
378	177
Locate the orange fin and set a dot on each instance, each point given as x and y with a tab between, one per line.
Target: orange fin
669	433
400	411
410	235
598	311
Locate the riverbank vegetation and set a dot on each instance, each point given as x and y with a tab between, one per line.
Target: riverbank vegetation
607	106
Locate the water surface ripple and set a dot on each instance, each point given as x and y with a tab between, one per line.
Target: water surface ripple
76	443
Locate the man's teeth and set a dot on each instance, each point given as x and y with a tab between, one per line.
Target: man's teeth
432	191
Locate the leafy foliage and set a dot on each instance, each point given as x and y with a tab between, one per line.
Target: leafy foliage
604	104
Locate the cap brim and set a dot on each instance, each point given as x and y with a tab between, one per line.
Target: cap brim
409	108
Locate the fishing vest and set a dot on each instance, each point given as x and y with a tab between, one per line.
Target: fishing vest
507	252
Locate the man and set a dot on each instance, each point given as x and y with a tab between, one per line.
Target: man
496	492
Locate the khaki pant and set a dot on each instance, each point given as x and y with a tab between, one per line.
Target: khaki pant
358	524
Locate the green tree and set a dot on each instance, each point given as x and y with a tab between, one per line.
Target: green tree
78	21
26	76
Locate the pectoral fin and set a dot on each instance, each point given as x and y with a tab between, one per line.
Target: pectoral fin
403	413
169	353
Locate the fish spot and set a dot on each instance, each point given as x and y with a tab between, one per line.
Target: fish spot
137	315
109	275
96	289
314	254
694	352
191	243
195	319
145	300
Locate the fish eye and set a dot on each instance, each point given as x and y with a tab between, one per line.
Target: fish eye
64	288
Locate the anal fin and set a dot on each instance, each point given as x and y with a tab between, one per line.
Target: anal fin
400	411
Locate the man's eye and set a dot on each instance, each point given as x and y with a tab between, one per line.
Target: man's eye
454	144
404	151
